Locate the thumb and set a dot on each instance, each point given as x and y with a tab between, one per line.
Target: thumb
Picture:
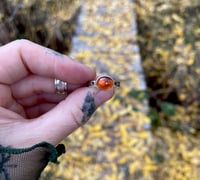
71	113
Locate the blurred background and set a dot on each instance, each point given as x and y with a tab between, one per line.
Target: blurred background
150	129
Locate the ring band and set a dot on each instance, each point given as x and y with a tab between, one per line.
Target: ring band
104	82
60	86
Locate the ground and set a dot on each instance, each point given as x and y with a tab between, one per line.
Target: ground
118	142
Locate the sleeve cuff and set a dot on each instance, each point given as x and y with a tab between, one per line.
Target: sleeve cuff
27	163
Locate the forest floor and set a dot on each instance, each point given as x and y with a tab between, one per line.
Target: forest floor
146	131
117	143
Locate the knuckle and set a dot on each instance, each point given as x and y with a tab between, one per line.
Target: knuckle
21	41
76	115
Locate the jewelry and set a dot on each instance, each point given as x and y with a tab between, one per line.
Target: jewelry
60	86
104	82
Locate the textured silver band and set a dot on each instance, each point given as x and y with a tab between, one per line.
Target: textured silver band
60	86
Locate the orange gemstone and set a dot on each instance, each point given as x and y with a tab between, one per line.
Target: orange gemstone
104	83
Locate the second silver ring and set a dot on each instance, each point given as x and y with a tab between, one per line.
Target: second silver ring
60	86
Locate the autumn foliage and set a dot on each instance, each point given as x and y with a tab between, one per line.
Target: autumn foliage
119	143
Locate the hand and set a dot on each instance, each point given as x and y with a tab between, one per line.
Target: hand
30	111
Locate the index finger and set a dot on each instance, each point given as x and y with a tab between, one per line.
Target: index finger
30	58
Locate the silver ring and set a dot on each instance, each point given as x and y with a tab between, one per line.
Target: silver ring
60	86
104	82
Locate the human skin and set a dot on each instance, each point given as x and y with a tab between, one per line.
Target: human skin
30	110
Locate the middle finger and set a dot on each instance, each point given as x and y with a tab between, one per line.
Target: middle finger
34	85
